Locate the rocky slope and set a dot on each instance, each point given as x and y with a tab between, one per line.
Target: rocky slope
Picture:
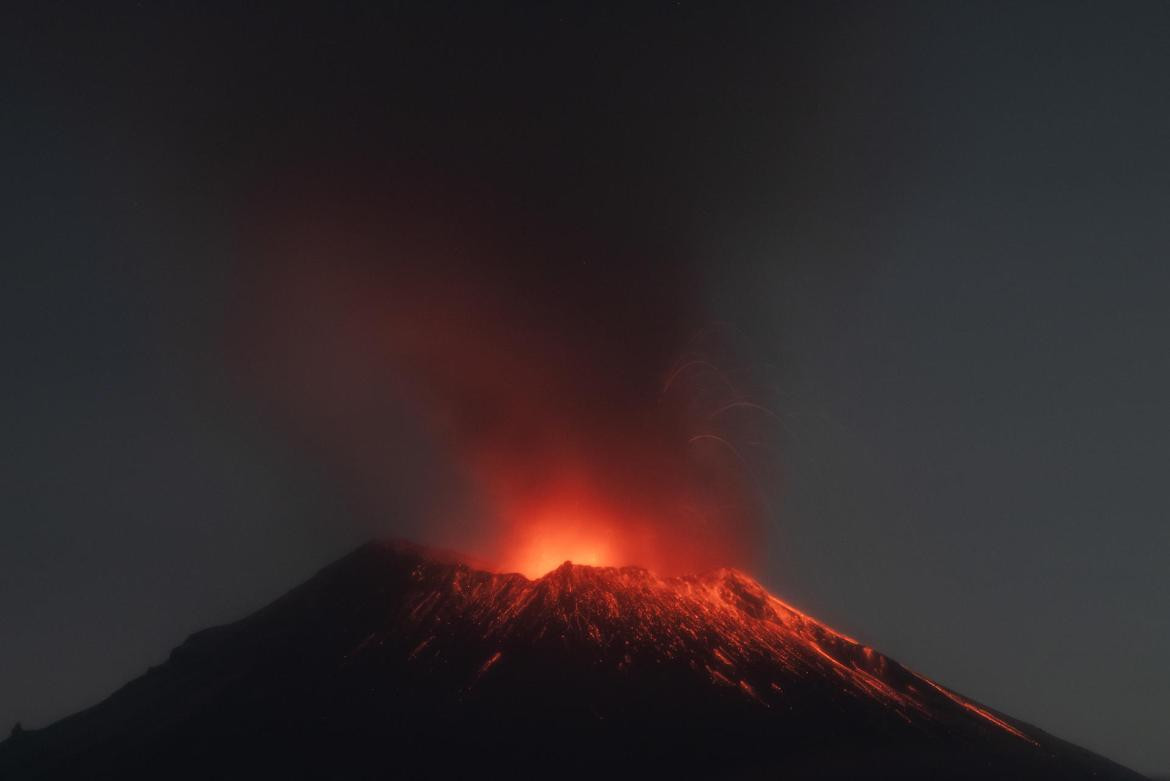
400	662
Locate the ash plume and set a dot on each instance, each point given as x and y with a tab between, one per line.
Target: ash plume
551	364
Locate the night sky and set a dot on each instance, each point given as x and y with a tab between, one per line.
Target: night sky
935	233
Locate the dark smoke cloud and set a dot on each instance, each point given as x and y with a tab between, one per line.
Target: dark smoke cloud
552	366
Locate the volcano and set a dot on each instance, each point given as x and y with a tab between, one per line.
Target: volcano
402	662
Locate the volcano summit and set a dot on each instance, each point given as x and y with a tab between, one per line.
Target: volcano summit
400	662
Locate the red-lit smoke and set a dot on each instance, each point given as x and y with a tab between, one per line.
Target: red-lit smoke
547	362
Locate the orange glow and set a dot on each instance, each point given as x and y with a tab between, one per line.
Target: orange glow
553	546
563	525
959	699
574	515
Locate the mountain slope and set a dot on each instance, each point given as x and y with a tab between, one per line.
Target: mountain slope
402	662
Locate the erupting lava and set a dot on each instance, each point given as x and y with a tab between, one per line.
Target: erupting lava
537	537
546	546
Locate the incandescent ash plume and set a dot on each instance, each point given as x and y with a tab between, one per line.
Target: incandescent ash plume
552	365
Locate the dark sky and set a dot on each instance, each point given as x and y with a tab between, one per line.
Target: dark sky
942	227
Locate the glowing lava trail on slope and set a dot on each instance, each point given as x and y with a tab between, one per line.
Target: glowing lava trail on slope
398	661
723	624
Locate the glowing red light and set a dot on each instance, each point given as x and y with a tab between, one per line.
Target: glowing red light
545	545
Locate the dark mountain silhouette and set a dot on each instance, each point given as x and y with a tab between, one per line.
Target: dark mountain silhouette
400	662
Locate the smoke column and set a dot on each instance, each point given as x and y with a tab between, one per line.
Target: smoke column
553	365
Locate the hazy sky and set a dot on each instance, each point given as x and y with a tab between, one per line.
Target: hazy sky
942	226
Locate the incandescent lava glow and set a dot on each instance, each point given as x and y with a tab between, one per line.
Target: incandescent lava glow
542	546
576	518
546	553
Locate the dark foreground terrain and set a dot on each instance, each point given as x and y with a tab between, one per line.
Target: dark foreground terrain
398	662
